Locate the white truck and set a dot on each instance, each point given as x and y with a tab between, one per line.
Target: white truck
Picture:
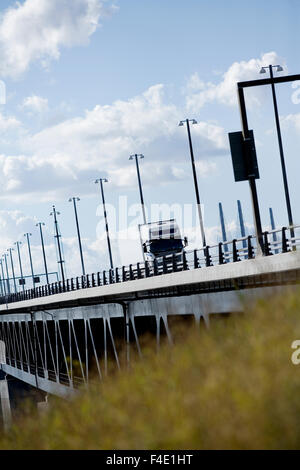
162	238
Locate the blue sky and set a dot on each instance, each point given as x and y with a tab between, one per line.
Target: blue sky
89	82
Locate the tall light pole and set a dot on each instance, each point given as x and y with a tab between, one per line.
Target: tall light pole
1	286
18	244
27	235
101	181
10	250
3	277
283	167
40	225
74	200
242	223
187	122
223	227
136	158
58	236
7	273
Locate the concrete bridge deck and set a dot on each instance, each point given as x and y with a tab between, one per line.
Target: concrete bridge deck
271	270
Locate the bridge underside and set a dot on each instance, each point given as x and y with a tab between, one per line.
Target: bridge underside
59	350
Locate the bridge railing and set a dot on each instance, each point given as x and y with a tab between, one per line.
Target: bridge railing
48	374
278	241
239	249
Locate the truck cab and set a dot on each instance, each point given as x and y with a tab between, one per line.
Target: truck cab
163	238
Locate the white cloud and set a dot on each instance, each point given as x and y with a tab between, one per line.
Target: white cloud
51	162
206	168
35	104
13	225
292	120
36	30
200	93
8	123
211	132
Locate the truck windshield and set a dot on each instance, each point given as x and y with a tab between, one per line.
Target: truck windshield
162	246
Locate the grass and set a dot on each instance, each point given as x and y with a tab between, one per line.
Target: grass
230	387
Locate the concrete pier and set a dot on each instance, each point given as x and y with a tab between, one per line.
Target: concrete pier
5	401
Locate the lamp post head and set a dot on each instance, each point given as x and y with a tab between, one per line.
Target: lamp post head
277	67
132	157
40	223
18	243
101	179
182	123
74	199
54	211
29	234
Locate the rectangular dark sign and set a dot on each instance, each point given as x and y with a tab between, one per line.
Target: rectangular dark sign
244	159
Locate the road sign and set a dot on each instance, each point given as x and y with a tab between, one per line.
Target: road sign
244	159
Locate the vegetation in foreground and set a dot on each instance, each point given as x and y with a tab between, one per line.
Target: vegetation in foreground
230	387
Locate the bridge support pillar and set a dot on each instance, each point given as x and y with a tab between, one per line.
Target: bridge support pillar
5	401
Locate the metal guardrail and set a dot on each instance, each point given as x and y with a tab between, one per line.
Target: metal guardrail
275	241
62	378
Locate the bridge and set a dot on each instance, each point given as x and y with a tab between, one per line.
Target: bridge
59	336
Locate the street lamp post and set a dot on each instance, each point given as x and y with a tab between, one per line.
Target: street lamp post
101	181
27	235
3	277
40	224
283	167
136	157
187	122
7	273
18	244
1	286
74	200
251	178
10	250
58	236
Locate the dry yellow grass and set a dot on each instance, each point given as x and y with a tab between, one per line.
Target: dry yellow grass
231	387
